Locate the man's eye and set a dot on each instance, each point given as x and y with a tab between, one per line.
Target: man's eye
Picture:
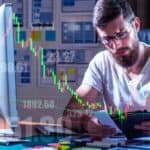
122	34
108	38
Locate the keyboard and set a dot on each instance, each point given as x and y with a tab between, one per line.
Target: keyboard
48	130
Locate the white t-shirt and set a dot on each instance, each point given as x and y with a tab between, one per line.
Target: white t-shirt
110	79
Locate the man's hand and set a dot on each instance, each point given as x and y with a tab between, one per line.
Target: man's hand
90	125
144	126
97	130
83	122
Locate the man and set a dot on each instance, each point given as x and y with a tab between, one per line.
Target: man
120	73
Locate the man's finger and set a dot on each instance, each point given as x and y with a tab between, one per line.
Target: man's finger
146	123
108	131
146	132
141	127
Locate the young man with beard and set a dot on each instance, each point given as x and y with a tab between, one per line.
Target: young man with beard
120	73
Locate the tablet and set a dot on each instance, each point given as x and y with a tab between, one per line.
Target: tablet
127	125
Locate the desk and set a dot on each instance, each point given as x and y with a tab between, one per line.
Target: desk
28	131
34	141
41	140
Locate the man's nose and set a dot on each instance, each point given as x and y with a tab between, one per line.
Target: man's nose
116	44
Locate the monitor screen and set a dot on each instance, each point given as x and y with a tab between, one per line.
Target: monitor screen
8	109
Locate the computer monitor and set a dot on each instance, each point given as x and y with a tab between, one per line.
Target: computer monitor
8	109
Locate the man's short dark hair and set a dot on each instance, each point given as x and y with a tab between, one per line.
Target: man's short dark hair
107	10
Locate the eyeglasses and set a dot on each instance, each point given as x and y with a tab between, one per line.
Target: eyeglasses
108	40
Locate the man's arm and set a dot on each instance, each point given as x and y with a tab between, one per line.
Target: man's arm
84	122
74	112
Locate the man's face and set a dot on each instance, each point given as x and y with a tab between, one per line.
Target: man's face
120	38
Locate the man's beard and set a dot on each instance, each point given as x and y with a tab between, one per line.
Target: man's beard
127	60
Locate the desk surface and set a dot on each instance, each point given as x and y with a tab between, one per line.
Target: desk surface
28	131
34	141
41	140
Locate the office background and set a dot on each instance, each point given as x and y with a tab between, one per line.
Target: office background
61	32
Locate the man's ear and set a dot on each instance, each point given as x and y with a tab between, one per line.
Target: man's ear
137	23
